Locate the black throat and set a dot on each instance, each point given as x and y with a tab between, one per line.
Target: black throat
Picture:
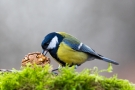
53	52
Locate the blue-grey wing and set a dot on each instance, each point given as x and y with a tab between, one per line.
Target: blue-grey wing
73	44
78	46
87	49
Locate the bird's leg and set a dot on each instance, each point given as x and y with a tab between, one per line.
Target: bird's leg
54	69
57	68
61	67
76	66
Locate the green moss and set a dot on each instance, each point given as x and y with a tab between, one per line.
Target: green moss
39	78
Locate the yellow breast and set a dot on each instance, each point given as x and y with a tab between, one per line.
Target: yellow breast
70	56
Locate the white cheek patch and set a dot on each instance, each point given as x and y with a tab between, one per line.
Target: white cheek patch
53	43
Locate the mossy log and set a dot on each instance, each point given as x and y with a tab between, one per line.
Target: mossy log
41	77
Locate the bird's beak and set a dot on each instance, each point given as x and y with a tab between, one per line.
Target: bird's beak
44	52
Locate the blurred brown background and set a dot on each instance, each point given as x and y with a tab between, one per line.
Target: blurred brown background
107	26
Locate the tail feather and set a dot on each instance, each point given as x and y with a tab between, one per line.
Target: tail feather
109	60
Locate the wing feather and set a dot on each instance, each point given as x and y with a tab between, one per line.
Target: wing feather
75	44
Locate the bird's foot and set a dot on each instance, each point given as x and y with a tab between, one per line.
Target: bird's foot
55	69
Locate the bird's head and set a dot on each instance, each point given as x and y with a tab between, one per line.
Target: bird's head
51	41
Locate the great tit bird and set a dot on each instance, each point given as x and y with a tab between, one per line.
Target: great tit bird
66	49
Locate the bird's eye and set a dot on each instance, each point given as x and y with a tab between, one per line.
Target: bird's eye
46	44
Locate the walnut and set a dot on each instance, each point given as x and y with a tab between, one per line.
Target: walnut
35	58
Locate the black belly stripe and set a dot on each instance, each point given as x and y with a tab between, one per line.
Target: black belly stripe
53	53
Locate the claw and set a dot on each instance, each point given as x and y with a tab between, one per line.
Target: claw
54	69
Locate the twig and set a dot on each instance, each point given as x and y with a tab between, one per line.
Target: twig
5	70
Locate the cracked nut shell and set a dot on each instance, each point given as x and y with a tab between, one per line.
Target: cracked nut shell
35	58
